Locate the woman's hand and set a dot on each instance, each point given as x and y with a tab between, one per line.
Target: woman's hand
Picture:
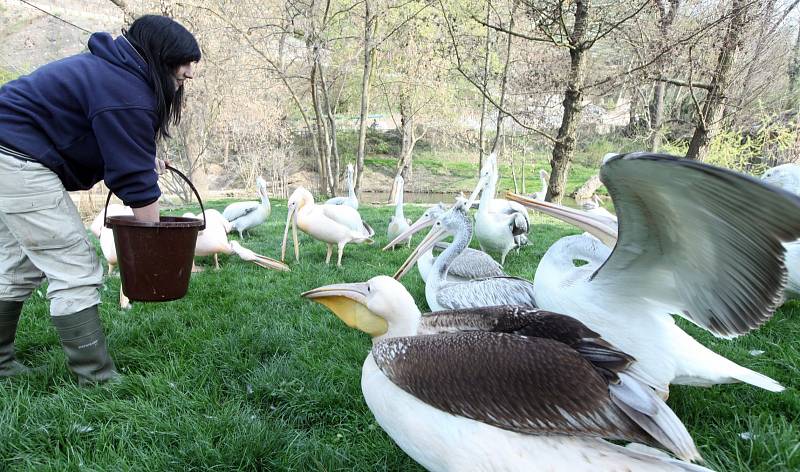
161	165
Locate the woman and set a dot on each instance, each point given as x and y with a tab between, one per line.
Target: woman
71	123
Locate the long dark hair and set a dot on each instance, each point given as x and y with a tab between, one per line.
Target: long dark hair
165	44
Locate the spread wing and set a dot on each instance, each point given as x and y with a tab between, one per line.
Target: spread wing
702	240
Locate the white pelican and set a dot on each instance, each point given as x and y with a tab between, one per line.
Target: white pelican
539	391
399	222
499	223
469	264
114	209
109	250
787	177
246	215
543	178
213	240
694	240
350	200
595	207
331	224
443	294
107	246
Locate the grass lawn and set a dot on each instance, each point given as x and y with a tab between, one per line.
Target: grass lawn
244	374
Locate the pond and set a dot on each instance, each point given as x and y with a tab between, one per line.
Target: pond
430	198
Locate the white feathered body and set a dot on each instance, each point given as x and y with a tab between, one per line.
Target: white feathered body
332	224
643	328
246	215
442	442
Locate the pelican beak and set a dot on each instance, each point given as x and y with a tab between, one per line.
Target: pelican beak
435	235
349	303
294	237
583	220
270	263
286	233
422	222
475	193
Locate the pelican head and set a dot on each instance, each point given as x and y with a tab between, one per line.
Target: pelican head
786	176
488	175
299	198
262	186
427	219
380	306
451	222
581	219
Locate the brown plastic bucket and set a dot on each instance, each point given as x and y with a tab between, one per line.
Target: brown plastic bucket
155	259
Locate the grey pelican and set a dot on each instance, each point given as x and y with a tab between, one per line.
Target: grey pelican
503	389
350	200
694	240
470	264
499	223
213	240
787	177
332	224
442	294
399	222
246	215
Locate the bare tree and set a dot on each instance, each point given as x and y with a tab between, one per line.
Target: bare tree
709	115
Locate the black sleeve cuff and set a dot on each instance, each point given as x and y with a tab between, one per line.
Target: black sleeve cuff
142	204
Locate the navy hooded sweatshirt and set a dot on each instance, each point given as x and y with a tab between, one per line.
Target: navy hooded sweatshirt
88	117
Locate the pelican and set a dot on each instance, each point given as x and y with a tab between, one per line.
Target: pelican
332	224
499	223
350	200
114	209
109	250
246	215
470	264
787	177
543	178
399	222
694	240
107	246
595	207
538	391
213	240
442	294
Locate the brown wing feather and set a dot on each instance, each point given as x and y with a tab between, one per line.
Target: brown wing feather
519	319
523	384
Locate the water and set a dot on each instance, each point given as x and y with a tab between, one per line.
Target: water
430	198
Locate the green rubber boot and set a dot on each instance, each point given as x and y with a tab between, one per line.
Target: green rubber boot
9	316
85	346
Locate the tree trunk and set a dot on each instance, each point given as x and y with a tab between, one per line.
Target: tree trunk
409	140
564	149
764	37
585	191
333	168
714	105
482	129
794	71
328	182
370	26
668	10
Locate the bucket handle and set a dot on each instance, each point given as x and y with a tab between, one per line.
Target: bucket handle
180	174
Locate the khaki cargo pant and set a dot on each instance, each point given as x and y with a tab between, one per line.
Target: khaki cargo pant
42	235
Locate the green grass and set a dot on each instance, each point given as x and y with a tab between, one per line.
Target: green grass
243	374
